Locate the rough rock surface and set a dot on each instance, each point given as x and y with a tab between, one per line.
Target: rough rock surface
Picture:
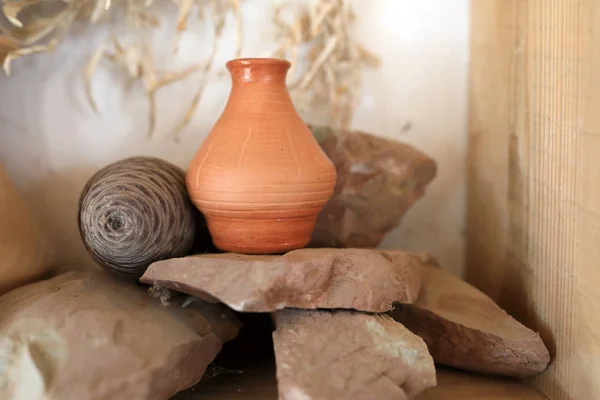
324	355
361	279
378	180
89	336
465	329
25	253
222	320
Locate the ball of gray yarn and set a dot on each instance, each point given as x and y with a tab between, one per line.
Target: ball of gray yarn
134	212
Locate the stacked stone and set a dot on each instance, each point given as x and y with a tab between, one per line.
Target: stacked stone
351	322
360	323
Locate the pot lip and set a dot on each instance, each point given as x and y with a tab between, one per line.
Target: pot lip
249	61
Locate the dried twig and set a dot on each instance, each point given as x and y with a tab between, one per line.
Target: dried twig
42	33
235	7
335	60
330	81
218	22
88	72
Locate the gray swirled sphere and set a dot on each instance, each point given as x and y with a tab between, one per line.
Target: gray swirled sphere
134	212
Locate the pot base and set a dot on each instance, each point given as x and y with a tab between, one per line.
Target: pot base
261	236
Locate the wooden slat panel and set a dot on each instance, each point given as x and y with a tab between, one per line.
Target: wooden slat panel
534	197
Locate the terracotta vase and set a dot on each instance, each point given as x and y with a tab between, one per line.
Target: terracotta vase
260	178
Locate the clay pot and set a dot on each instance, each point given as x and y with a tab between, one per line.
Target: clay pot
260	178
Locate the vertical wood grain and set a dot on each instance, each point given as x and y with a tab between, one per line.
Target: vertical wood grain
534	176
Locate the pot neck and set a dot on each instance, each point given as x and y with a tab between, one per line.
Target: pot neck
247	71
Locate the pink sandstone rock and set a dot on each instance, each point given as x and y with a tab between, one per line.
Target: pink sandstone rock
89	336
344	355
465	329
361	279
378	180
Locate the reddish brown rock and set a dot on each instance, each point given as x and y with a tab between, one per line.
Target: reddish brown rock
465	329
361	279
221	319
88	336
324	355
378	180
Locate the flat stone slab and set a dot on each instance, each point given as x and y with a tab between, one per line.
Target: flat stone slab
465	329
343	355
360	279
90	336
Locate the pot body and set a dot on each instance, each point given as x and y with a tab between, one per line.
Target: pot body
260	178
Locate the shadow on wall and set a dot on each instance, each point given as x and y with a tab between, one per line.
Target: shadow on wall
505	277
429	225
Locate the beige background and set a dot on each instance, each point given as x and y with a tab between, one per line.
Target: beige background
51	140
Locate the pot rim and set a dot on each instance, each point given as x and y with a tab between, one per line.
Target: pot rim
249	61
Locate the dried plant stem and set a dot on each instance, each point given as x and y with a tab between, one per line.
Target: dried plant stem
136	59
25	51
88	72
165	80
184	12
203	80
330	81
235	6
318	63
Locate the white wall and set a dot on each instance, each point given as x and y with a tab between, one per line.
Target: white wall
51	141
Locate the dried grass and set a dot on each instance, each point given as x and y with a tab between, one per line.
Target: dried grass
331	80
335	60
42	30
